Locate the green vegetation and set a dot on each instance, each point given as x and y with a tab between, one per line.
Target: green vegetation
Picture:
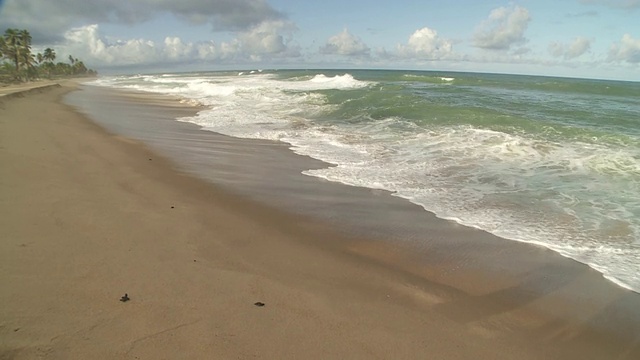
19	64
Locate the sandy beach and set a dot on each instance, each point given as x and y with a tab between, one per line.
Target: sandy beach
88	215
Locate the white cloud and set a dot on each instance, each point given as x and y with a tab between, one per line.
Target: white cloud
87	44
267	39
346	44
628	49
578	47
260	42
425	43
175	49
503	28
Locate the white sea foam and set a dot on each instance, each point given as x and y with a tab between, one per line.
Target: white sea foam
429	77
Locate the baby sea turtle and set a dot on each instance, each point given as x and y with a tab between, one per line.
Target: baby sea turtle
125	298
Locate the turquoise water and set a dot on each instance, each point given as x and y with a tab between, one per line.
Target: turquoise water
550	161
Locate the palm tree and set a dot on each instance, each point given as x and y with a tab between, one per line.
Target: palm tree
13	46
79	67
62	69
27	61
25	38
26	57
49	55
17	47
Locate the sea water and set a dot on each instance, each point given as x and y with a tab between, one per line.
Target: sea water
549	161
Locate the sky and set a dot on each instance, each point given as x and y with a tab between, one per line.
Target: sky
572	38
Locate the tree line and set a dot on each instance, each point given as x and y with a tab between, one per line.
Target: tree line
20	64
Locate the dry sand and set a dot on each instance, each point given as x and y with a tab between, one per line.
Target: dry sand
87	216
18	88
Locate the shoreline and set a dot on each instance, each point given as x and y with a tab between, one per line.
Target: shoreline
619	272
302	164
98	218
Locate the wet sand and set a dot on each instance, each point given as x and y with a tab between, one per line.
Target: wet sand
88	215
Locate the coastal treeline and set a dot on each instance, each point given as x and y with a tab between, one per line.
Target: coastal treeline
19	63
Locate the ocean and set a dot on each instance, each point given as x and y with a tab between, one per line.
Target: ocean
548	161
